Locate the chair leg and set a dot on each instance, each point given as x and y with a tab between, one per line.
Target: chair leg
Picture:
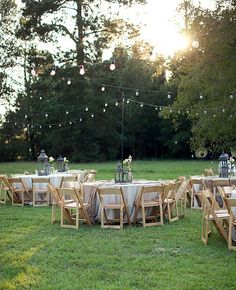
62	217
143	216
77	218
161	214
121	218
53	217
34	198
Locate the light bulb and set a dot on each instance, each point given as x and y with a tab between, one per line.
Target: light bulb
81	71
53	72
195	43
201	97
104	110
105	104
141	105
103	88
33	72
117	104
231	96
112	65
67	112
169	95
137	93
69	81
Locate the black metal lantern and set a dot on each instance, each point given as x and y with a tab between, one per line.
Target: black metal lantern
42	163
119	173
223	165
60	164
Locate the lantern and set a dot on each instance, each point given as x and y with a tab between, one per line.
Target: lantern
42	163
223	165
60	164
118	173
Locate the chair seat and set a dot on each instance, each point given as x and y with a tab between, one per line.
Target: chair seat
169	200
113	206
73	205
222	215
149	203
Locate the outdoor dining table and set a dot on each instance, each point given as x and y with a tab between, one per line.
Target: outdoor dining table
55	180
130	189
208	179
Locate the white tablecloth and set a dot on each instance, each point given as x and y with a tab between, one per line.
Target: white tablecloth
130	190
55	178
233	195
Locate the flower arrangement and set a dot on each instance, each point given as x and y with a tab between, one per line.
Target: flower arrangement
51	161
128	162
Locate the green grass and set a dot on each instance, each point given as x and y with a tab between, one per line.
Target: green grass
34	254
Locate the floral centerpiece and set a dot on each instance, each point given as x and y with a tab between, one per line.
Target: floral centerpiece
231	165
66	161
128	162
51	162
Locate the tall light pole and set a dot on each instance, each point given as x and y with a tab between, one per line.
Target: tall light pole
122	126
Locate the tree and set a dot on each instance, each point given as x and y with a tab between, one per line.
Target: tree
204	79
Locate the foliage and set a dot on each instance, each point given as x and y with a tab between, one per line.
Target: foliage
204	79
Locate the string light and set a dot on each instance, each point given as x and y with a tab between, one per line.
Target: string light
137	93
141	105
53	72
104	110
69	81
127	102
231	96
86	109
92	115
103	88
33	72
201	97
105	104
169	95
81	71
46	115
67	112
116	103
112	65
80	119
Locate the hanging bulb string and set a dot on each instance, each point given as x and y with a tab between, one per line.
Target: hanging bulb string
129	89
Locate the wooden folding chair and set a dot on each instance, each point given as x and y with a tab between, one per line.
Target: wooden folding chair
4	189
181	196
69	181
213	213
208	172
149	200
220	182
196	186
90	177
112	199
39	186
17	190
75	207
56	203
231	205
170	202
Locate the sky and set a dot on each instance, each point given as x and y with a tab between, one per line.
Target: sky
160	24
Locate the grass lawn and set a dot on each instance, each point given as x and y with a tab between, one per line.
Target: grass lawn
34	254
